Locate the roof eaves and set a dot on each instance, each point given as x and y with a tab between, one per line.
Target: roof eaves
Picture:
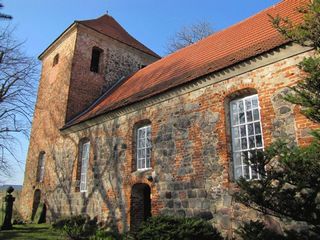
68	29
97	101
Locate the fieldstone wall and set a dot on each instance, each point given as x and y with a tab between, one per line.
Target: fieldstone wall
191	172
66	89
191	159
284	123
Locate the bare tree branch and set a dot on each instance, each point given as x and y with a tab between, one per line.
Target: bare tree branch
18	74
189	35
4	16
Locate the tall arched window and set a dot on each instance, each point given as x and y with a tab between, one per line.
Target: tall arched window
246	134
41	166
143	145
83	161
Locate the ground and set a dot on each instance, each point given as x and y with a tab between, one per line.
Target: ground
30	231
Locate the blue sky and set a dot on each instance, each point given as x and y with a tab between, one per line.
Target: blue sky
39	22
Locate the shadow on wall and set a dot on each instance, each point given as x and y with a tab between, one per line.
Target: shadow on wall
105	196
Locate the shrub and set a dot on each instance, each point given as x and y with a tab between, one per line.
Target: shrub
76	227
169	227
103	235
256	230
109	235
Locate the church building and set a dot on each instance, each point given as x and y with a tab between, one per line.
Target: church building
121	134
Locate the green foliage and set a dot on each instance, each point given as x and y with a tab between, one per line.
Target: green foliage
290	183
76	227
104	235
308	31
30	232
256	230
307	92
169	227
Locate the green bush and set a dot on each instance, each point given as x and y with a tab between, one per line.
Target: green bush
256	230
169	227
76	227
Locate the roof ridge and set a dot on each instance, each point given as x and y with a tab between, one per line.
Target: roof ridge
234	25
218	51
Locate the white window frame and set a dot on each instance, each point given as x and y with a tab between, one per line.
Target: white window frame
84	158
41	166
144	148
245	132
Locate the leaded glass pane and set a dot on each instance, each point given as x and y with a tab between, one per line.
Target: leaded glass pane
248	104
256	115
243	131
246	134
251	142
259	141
249	116
250	129
243	143
257	128
241	108
255	103
242	117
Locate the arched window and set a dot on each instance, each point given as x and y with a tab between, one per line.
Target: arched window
83	161
41	166
142	145
246	134
55	60
95	59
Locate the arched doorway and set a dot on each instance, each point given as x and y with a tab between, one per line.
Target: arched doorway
39	209
140	207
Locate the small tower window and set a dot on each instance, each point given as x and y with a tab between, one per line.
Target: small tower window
95	59
55	60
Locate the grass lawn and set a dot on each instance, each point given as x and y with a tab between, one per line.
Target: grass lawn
30	231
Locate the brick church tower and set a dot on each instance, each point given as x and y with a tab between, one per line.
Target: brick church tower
84	62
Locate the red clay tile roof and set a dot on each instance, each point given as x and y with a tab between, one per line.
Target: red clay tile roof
110	27
241	41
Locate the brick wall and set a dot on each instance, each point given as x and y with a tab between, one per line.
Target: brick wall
191	163
65	89
117	61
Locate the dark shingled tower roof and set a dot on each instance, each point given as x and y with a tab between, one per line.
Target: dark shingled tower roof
111	28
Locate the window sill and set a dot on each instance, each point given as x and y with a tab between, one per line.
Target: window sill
142	172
